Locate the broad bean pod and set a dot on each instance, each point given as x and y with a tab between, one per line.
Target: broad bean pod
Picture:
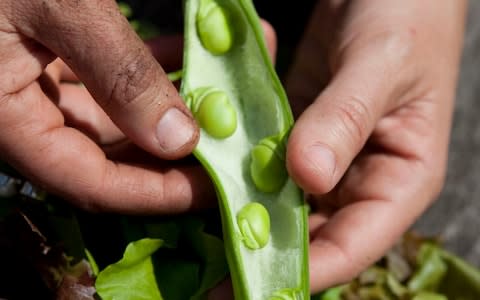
264	216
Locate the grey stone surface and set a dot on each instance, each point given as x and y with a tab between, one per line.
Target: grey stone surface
456	214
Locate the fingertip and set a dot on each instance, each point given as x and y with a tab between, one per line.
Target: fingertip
311	164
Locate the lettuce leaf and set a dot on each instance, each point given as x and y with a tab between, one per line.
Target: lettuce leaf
133	277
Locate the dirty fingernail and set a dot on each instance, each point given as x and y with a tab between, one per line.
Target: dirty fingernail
174	130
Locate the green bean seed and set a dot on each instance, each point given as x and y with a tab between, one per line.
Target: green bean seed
213	27
267	167
254	223
213	111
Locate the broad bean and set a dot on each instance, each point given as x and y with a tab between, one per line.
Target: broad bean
213	111
213	27
267	166
254	224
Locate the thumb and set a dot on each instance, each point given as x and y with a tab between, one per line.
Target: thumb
335	127
97	43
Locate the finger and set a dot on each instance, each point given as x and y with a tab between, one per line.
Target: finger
332	130
96	41
168	50
78	107
67	74
67	163
83	113
55	70
60	72
270	39
382	194
387	202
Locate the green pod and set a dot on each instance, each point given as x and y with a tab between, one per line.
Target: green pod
267	167
248	77
213	111
254	224
213	27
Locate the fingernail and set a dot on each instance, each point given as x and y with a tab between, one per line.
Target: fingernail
174	130
322	159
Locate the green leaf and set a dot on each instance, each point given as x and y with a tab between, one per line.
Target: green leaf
131	278
177	277
211	250
430	271
92	262
462	281
168	229
125	9
191	260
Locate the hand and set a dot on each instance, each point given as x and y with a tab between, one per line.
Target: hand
371	147
56	135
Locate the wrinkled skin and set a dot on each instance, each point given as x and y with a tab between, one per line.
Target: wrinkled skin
83	149
373	88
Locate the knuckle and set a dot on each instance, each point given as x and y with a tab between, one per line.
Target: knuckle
126	190
133	80
87	197
396	46
173	194
355	118
93	194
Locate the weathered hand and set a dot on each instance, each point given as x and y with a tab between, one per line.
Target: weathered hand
373	85
69	144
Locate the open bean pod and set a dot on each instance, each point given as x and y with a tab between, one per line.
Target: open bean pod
239	102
